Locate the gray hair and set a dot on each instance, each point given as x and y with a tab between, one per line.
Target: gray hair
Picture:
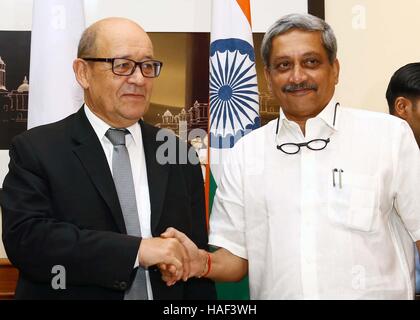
304	22
87	43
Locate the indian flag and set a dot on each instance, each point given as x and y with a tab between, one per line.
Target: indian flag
56	29
234	101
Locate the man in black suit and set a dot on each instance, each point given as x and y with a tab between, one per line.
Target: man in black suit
60	203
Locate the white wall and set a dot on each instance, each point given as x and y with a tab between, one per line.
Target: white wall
156	15
374	39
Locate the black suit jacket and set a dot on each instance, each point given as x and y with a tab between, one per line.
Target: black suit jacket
60	207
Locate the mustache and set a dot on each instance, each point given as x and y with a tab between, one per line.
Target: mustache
132	89
300	86
141	93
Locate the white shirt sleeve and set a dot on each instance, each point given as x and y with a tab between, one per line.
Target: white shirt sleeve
407	181
227	219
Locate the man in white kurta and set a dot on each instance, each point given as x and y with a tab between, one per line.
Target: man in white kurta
305	238
331	219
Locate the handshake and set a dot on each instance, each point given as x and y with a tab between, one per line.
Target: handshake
176	256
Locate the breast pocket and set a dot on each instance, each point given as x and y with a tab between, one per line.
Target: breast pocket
353	205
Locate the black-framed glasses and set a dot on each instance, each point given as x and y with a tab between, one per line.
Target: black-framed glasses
293	148
315	144
126	67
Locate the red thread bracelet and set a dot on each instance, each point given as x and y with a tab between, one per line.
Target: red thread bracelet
208	265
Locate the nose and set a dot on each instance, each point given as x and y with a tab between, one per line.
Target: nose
298	74
137	77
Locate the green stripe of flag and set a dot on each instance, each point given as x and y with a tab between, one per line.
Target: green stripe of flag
228	290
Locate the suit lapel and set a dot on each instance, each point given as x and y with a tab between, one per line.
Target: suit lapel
157	174
90	153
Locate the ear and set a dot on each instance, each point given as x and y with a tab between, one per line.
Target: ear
80	69
336	70
402	106
268	78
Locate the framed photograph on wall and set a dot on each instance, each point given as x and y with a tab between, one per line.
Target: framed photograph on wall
14	90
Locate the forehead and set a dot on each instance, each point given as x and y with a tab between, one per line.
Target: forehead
130	41
296	43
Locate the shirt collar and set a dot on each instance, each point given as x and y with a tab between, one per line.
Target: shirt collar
101	127
135	132
327	115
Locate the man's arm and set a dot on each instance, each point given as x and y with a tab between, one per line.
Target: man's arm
37	237
407	179
197	288
220	265
157	250
225	266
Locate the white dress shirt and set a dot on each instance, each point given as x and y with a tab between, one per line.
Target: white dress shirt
305	238
134	144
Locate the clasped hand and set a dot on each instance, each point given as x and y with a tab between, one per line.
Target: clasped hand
193	262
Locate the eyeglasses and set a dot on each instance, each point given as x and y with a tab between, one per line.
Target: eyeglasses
293	148
126	67
315	144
